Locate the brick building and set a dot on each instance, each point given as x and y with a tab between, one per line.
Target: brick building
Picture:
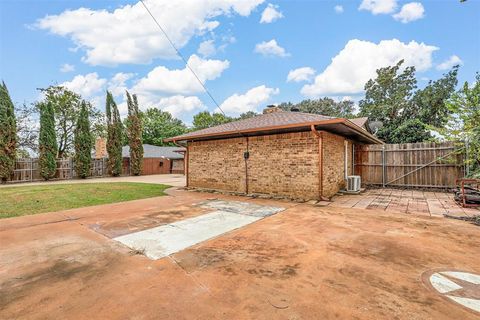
291	154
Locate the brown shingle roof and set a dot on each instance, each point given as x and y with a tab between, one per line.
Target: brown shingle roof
359	121
268	122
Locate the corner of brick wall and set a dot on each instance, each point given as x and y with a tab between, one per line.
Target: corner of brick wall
333	164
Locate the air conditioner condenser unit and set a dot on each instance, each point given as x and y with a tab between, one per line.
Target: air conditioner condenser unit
354	183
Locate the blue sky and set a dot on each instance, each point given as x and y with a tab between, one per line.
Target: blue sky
250	53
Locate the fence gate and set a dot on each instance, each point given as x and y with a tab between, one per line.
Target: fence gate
425	164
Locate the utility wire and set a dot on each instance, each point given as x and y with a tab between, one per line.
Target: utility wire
246	153
183	58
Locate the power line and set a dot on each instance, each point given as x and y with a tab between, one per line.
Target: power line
183	58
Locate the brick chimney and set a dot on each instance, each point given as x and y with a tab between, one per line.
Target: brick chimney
272	109
100	148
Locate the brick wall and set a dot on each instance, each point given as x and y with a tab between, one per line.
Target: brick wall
350	158
284	164
217	164
281	164
333	163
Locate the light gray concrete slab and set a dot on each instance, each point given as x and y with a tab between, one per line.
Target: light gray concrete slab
250	209
164	240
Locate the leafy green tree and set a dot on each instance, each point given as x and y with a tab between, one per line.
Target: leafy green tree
430	102
27	130
407	114
388	98
47	142
324	106
8	134
114	136
206	119
134	133
67	105
247	115
409	131
159	125
464	123
83	143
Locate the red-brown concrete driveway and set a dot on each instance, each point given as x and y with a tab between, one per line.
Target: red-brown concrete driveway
306	262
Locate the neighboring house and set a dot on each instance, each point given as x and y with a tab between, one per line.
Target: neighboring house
159	160
362	123
292	154
156	160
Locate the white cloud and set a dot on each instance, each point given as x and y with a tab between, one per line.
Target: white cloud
117	85
379	6
67	67
207	48
249	101
410	12
355	64
450	62
86	85
300	74
270	14
338	8
181	81
271	48
181	107
128	34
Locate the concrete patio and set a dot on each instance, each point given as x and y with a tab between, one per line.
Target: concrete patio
409	201
306	262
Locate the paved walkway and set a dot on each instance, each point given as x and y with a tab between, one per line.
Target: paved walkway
410	201
175	180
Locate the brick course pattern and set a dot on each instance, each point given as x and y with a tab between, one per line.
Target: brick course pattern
281	164
217	164
333	164
284	164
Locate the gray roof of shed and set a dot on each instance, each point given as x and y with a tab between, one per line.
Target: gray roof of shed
150	151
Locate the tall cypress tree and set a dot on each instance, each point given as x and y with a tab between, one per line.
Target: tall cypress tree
114	136
134	133
83	143
47	142
8	134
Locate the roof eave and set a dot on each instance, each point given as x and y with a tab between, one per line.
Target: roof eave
344	121
270	128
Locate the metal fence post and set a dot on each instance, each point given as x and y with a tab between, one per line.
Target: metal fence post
466	162
383	166
31	169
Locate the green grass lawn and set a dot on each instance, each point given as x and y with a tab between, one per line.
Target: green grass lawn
25	200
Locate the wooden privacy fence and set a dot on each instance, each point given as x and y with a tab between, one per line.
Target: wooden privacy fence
28	169
425	164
